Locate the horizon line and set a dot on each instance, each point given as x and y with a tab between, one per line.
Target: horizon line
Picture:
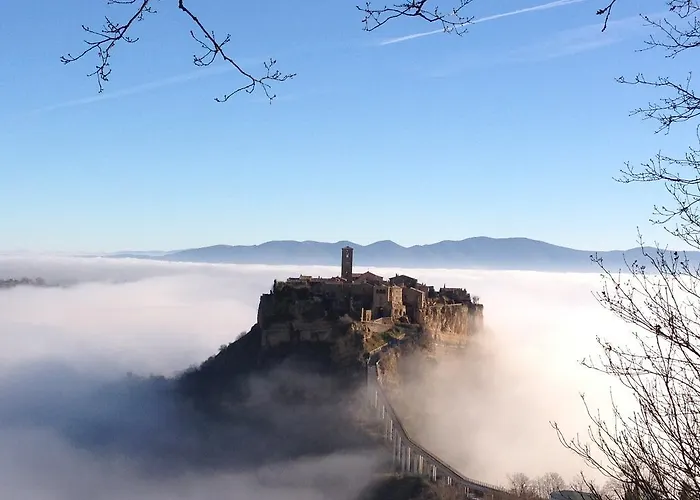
339	242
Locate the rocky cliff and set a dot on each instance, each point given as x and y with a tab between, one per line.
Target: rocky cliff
293	315
294	384
316	332
452	323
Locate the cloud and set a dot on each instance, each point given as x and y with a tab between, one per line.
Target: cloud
546	6
71	427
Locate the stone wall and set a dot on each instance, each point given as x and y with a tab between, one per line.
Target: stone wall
447	323
294	317
414	300
388	302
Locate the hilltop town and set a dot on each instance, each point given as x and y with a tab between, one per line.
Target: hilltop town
309	309
314	344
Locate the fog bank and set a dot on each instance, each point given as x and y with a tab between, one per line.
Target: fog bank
73	427
490	407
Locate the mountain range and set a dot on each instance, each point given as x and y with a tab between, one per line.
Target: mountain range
471	253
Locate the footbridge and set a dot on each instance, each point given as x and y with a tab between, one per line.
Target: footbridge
408	456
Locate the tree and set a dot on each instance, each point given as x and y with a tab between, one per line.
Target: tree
654	451
118	30
548	483
520	485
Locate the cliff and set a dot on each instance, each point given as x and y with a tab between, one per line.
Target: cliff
288	318
294	385
450	323
325	325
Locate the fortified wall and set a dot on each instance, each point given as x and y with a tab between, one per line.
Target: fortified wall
355	311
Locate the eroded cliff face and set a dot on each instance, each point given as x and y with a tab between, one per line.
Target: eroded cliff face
452	323
296	318
447	323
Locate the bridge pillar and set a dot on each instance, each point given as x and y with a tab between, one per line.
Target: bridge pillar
433	473
408	459
397	452
449	480
420	465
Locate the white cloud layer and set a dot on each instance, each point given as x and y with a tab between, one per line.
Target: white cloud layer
491	408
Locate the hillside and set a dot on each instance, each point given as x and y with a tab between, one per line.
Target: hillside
470	253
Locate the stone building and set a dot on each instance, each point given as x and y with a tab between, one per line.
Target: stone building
346	263
387	302
449	313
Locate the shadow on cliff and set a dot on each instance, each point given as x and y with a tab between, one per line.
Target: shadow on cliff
283	427
289	401
73	427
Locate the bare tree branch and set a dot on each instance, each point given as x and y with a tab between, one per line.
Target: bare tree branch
114	32
675	33
213	48
680	106
681	178
653	450
451	20
606	11
111	33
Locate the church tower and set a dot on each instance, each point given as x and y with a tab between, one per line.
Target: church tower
346	263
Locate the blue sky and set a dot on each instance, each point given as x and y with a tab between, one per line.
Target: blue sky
514	129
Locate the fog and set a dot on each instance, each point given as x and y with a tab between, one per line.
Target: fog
73	427
491	406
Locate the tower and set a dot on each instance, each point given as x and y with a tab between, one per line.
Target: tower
346	263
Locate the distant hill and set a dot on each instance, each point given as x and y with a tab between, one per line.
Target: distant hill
471	253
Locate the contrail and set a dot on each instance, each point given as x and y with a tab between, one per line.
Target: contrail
545	6
137	89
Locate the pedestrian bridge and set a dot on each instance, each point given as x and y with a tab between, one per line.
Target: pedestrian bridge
408	456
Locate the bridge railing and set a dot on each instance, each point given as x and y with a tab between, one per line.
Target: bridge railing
409	456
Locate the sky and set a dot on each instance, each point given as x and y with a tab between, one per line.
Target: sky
516	128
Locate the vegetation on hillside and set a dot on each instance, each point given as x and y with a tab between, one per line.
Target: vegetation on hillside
541	487
12	283
396	487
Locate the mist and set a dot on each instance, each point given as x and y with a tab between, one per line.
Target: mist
487	410
65	352
74	426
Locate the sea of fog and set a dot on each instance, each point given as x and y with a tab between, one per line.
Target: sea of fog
492	407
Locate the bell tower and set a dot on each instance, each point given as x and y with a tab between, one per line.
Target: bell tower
346	263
